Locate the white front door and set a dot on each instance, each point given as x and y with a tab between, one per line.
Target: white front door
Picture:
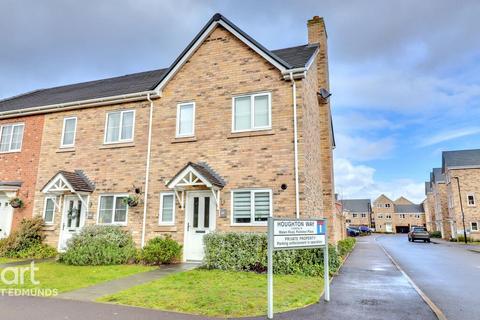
73	219
388	227
6	213
199	220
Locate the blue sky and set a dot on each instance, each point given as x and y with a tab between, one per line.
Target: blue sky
404	75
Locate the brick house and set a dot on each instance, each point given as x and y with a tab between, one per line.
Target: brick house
429	207
357	212
462	173
440	202
397	216
229	134
20	140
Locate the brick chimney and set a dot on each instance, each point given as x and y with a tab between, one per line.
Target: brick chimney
317	34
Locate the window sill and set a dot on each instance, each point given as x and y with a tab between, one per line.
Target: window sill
69	149
165	228
7	152
117	145
246	134
48	227
184	139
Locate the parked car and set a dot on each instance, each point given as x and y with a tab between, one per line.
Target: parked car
365	229
352	232
418	233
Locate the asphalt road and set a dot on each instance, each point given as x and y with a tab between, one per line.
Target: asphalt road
449	275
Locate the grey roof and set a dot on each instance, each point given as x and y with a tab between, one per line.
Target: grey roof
206	171
428	187
460	158
293	57
437	176
408	208
356	205
16	184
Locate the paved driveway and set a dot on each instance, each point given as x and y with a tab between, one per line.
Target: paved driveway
449	275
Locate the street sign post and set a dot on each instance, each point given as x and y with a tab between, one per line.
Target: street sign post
288	234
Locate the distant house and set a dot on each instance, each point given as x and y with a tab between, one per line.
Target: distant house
397	216
357	212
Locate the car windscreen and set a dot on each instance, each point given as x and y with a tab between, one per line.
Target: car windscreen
419	230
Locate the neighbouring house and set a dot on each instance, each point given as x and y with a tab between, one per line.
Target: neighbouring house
440	203
461	169
226	136
20	140
397	216
429	207
357	212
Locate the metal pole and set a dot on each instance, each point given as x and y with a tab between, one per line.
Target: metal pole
326	275
270	268
461	208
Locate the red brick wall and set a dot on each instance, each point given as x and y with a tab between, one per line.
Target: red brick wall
22	166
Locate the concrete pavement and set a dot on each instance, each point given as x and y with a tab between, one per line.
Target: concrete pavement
448	274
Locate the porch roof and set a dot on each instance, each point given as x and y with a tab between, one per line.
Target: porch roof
195	174
74	182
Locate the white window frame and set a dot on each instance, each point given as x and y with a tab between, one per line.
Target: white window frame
363	215
388	216
160	214
74	133
45	210
474	200
120	140
177	129
115	196
402	215
387	205
13	125
252	208
354	215
471	226
252	111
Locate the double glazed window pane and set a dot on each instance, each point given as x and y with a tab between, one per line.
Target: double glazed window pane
120	126
185	121
248	205
252	112
167	208
11	138
261	111
49	210
242	114
5	138
120	210
106	209
112	210
69	132
262	206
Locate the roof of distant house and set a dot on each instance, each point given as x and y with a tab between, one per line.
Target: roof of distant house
428	187
437	175
356	205
460	158
408	208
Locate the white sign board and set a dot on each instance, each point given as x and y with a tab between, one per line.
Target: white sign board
298	234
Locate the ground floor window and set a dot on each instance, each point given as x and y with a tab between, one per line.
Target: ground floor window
474	226
112	210
167	208
251	206
49	210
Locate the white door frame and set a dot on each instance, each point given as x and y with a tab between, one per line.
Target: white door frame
10	217
190	194
63	212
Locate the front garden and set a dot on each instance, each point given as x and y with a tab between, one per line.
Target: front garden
230	283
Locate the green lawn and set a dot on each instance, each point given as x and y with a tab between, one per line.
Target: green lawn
7	260
55	275
221	293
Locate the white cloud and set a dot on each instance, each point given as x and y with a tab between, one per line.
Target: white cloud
358	181
450	135
362	149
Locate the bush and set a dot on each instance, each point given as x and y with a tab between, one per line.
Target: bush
248	252
435	234
26	242
99	245
160	250
346	246
461	238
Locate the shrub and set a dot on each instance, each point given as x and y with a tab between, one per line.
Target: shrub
160	250
99	245
435	234
25	242
248	252
346	246
461	238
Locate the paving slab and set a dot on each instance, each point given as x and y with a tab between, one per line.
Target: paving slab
110	287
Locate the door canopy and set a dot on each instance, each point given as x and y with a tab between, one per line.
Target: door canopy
69	182
196	174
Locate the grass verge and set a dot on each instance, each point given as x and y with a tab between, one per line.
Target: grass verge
54	275
221	293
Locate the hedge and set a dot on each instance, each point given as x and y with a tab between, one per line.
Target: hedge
248	252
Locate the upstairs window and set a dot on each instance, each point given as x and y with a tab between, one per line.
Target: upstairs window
119	126
68	133
251	206
402	216
354	215
186	119
11	137
471	200
252	112
387	205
